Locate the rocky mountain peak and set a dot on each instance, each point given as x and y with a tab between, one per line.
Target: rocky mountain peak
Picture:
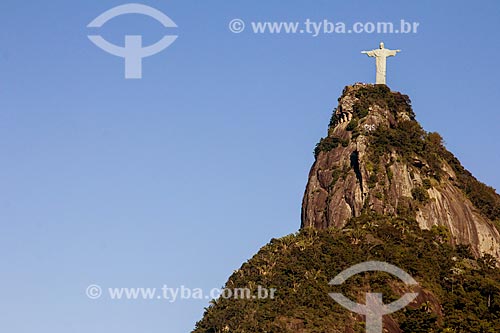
377	159
383	189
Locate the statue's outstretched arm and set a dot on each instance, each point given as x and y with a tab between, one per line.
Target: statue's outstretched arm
392	53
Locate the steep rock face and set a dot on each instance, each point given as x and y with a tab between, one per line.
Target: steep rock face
377	159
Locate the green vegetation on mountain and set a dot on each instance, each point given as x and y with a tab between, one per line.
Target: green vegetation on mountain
391	174
458	293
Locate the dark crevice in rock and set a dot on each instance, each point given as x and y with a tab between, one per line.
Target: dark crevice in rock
355	165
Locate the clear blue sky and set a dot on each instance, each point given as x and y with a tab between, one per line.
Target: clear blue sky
182	176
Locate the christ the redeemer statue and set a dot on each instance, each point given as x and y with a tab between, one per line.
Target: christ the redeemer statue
381	55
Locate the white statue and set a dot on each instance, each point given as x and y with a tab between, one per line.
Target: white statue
381	55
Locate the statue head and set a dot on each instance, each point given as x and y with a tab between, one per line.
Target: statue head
381	45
